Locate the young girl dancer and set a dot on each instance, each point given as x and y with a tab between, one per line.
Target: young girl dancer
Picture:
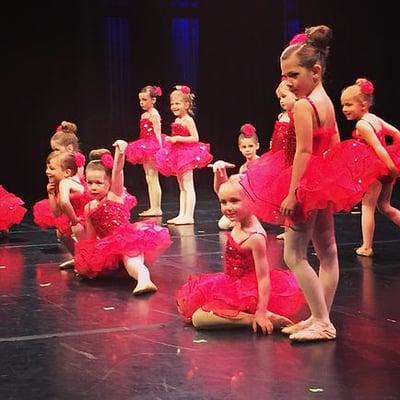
142	151
182	153
247	293
357	100
109	237
248	145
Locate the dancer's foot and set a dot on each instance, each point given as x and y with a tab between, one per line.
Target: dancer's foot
288	330
364	252
172	220
184	221
278	321
67	264
315	332
146	287
151	212
281	236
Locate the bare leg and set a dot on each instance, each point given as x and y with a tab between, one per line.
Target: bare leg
187	185
137	270
384	205
154	189
69	244
207	320
368	207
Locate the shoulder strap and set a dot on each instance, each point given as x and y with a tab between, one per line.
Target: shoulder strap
369	123
315	110
250	235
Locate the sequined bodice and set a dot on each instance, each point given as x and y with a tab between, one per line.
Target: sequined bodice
179	130
108	216
146	129
278	140
238	261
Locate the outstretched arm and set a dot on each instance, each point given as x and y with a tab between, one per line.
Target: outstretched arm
220	175
117	175
65	188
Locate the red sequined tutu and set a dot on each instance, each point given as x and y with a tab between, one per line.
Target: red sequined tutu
11	210
118	237
335	179
143	149
178	158
235	290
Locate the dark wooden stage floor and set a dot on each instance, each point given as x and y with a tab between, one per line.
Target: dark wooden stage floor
66	338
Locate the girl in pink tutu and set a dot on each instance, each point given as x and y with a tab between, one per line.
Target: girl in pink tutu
66	200
248	145
182	153
357	100
273	183
11	210
142	150
109	237
247	293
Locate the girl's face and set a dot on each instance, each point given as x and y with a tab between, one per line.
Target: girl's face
352	107
55	172
287	100
146	101
248	147
233	202
300	80
98	183
179	106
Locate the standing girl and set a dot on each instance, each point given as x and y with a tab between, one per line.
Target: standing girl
357	100
109	237
273	183
183	152
142	151
247	292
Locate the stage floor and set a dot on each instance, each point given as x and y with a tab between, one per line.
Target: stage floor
66	338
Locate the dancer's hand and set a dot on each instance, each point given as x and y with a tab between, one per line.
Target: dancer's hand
288	205
220	165
261	320
121	145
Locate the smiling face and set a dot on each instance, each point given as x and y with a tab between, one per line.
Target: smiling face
146	101
233	201
179	106
54	170
98	183
353	106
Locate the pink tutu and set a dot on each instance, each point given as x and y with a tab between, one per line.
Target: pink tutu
178	158
118	237
143	149
235	290
337	180
11	210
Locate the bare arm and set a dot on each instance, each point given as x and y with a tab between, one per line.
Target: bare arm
156	120
220	175
258	247
53	202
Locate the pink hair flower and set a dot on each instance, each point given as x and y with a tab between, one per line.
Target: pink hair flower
79	159
298	39
107	160
248	130
158	90
367	87
184	89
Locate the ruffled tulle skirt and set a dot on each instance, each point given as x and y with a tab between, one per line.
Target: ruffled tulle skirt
178	158
101	255
336	180
11	210
142	150
227	296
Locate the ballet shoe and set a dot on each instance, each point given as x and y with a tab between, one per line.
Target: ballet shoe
288	330
317	331
281	236
145	288
67	264
151	213
184	221
172	220
278	321
364	252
